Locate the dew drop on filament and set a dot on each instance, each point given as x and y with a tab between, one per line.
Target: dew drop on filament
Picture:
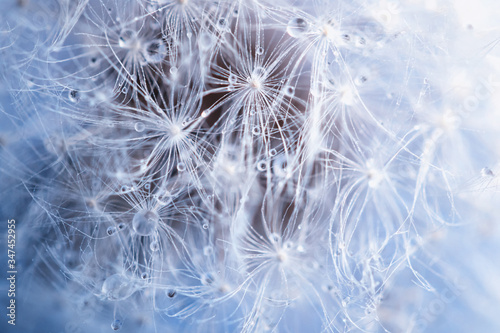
296	27
145	222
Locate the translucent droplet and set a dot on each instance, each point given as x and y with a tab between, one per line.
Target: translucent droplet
111	230
121	226
74	96
486	172
232	79
117	287
147	186
205	41
262	166
205	226
272	152
139	127
280	166
296	27
154	246
181	167
274	238
256	130
145	222
155	51
207	279
126	38
173	70
93	61
259	51
288	245
116	325
208	250
360	80
171	293
360	41
289	91
328	288
222	23
144	276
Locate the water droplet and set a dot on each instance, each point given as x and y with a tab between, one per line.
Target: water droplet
126	38
262	165
289	91
259	51
205	226
171	293
296	27
147	186
155	51
93	61
360	80
117	287
360	41
154	246
208	250
280	166
274	238
111	230
205	114
116	325
221	24
139	127
124	188
207	279
121	226
181	167
328	288
144	276
486	172
205	41
145	222
74	96
272	152
173	70
256	130
232	79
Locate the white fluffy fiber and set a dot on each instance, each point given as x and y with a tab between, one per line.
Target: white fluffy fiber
252	165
